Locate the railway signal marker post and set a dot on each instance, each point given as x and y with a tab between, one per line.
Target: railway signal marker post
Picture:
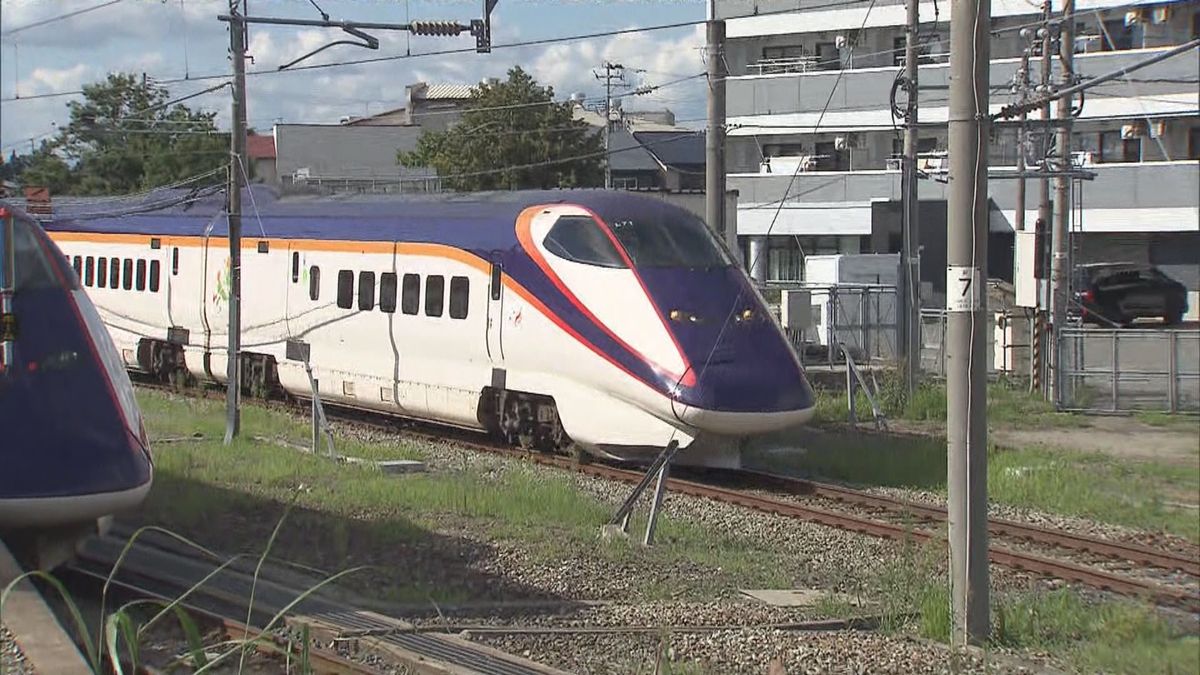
966	325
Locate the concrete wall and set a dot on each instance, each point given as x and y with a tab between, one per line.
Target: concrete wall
337	151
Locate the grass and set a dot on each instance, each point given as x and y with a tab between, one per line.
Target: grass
440	522
1131	492
1088	636
1009	405
1164	420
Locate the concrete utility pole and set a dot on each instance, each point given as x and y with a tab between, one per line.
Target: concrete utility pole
612	71
714	134
1060	293
237	156
910	302
1044	208
966	325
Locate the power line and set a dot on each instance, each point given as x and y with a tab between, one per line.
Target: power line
61	17
448	52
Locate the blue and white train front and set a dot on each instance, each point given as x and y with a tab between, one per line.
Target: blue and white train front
660	298
72	443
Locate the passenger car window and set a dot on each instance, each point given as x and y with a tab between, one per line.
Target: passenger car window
175	261
410	300
89	270
295	266
366	291
141	275
580	239
345	289
460	290
387	292
77	265
114	272
154	276
435	294
314	283
101	272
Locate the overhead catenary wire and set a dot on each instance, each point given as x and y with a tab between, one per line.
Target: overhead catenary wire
59	17
448	52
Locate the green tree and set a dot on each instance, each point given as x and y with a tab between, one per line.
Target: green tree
499	128
124	136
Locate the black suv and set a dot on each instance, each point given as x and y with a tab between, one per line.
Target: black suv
1118	293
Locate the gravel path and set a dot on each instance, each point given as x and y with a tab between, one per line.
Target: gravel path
12	661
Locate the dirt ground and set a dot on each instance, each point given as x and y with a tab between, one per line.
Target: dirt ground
1117	436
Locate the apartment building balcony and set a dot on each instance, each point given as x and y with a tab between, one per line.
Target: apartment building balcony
775	103
1132	197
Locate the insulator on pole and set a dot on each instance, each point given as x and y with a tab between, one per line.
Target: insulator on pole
437	28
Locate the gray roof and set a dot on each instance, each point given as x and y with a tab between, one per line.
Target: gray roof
628	154
674	148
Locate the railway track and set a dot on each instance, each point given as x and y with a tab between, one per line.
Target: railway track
1171	596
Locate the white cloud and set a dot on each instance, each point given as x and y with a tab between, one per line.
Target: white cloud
49	80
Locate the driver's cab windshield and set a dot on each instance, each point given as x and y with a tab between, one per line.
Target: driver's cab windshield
669	240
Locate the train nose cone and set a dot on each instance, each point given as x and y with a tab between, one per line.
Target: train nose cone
747	377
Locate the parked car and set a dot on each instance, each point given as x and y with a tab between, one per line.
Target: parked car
1119	293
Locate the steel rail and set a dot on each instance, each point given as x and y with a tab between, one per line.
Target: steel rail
997	526
1088	576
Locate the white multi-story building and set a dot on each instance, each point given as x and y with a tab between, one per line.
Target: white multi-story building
799	96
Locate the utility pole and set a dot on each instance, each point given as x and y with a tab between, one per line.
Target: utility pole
966	326
237	155
1059	293
1044	208
480	29
910	303
714	134
612	71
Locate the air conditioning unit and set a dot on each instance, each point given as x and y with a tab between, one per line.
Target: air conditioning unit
1160	15
1133	130
1158	129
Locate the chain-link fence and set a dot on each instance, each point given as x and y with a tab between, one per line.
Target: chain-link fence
1008	338
860	316
1124	370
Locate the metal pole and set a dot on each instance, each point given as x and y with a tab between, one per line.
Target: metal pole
1045	212
1022	135
911	301
1059	292
966	256
659	489
237	153
608	68
714	137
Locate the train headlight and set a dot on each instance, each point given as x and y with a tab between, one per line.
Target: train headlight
683	316
745	315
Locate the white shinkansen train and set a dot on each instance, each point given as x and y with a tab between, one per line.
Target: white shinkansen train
609	320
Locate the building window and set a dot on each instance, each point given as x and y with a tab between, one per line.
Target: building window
314	283
460	292
410	294
141	275
387	292
898	47
89	268
345	289
1113	148
1116	36
101	272
366	291
828	57
154	276
782	59
831	159
435	294
1194	139
114	272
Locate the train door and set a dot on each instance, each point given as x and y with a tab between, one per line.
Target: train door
495	313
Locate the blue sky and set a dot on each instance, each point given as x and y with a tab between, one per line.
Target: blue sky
169	39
